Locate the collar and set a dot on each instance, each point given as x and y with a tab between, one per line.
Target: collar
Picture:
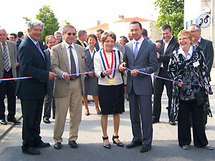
189	54
139	41
35	42
67	45
168	41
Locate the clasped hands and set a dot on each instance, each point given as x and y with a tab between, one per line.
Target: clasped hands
134	72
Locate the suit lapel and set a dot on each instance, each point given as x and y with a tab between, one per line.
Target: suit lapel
143	45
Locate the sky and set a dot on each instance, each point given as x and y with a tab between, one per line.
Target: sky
82	14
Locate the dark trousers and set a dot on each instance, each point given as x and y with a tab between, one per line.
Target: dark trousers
158	90
49	103
141	117
8	88
32	112
184	134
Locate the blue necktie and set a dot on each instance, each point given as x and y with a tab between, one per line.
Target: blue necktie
135	50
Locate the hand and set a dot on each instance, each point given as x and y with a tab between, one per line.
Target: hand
91	74
51	75
16	64
134	72
122	67
108	72
180	84
158	55
158	45
66	76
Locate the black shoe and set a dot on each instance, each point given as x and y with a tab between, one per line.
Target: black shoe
73	144
172	123
30	150
3	122
42	145
87	114
14	120
145	148
57	145
133	144
99	113
118	144
46	120
107	146
155	121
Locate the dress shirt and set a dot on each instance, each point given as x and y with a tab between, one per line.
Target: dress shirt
75	55
8	54
91	53
189	54
138	44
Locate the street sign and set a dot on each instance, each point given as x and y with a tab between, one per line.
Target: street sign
204	20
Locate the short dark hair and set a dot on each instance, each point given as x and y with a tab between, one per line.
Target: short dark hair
124	39
165	27
92	35
15	36
100	30
145	33
136	22
81	32
20	34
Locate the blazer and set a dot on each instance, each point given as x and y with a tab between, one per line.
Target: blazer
79	43
12	51
50	83
89	63
165	57
18	42
31	63
208	51
60	65
146	61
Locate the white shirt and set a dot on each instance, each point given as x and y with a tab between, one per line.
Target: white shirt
139	42
74	55
189	54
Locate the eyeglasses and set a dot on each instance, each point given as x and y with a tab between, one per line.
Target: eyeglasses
69	34
110	42
192	31
180	39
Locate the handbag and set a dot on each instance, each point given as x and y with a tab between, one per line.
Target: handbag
200	97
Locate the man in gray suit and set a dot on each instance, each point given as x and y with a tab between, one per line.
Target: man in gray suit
140	56
8	55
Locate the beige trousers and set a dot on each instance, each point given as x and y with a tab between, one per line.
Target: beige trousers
73	102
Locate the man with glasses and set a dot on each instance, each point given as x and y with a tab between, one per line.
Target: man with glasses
207	48
67	59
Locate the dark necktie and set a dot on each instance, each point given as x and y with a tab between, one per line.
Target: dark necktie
6	58
73	67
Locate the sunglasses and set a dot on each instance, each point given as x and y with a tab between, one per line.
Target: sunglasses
69	34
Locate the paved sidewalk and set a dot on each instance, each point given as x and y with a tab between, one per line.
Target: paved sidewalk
164	147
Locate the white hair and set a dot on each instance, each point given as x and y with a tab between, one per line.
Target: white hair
33	23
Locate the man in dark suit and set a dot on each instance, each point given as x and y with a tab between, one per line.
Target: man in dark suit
140	56
82	38
165	47
98	34
31	91
20	35
8	55
207	48
49	98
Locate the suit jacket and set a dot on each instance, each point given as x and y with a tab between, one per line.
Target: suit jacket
146	61
79	43
208	51
18	42
60	65
31	63
12	51
89	63
165	57
50	83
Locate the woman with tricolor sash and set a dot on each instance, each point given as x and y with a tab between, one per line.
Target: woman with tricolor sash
111	87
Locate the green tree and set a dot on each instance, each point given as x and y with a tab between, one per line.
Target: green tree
46	15
171	13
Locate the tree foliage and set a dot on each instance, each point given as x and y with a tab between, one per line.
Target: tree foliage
46	15
171	13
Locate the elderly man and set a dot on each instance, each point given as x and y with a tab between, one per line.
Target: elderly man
68	58
8	55
33	63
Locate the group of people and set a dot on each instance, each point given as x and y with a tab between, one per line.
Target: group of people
70	70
